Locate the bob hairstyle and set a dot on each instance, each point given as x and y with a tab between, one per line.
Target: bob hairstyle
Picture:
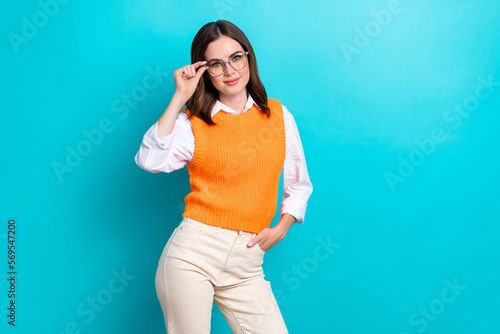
205	96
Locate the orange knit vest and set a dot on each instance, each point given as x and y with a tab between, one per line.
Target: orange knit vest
236	168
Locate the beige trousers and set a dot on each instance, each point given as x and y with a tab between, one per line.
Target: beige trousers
202	264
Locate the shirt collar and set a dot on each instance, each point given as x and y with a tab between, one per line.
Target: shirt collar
219	106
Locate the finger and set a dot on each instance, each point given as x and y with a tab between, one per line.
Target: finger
199	63
255	240
178	73
181	72
200	72
192	71
189	71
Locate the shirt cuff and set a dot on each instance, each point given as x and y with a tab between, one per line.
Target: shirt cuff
295	208
151	140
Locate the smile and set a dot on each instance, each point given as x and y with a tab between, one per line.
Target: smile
232	82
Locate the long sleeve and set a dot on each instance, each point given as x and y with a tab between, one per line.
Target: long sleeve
176	150
297	186
169	153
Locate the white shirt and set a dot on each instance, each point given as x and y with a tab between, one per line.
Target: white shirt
174	151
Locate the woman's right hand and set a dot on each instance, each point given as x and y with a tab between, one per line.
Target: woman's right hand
186	78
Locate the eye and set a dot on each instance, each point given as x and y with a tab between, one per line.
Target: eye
215	64
236	58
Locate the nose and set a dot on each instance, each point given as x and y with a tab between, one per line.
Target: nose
229	71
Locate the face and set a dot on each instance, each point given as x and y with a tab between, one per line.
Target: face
222	48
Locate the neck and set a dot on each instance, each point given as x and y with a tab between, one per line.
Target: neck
236	102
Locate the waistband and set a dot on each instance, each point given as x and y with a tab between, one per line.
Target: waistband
217	229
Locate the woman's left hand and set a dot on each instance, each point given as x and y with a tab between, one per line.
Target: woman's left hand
268	237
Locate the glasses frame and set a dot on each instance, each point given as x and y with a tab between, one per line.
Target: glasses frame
246	53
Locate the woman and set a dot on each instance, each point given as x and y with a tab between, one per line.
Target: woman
235	142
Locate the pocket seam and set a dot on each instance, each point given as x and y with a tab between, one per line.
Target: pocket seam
258	246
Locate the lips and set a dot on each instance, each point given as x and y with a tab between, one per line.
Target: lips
232	81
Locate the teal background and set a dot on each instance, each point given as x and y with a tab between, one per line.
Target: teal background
397	246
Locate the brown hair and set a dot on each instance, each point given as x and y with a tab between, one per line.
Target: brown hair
200	104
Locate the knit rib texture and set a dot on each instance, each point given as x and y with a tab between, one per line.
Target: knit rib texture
236	166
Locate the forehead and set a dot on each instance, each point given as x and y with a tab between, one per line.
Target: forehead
222	48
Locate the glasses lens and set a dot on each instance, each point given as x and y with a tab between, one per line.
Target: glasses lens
215	67
238	61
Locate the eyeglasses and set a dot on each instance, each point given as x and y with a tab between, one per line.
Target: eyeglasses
237	60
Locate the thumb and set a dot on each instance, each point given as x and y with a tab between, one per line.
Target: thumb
200	71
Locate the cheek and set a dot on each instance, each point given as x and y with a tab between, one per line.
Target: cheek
247	75
216	81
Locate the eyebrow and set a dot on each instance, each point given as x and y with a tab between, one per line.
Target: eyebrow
232	54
